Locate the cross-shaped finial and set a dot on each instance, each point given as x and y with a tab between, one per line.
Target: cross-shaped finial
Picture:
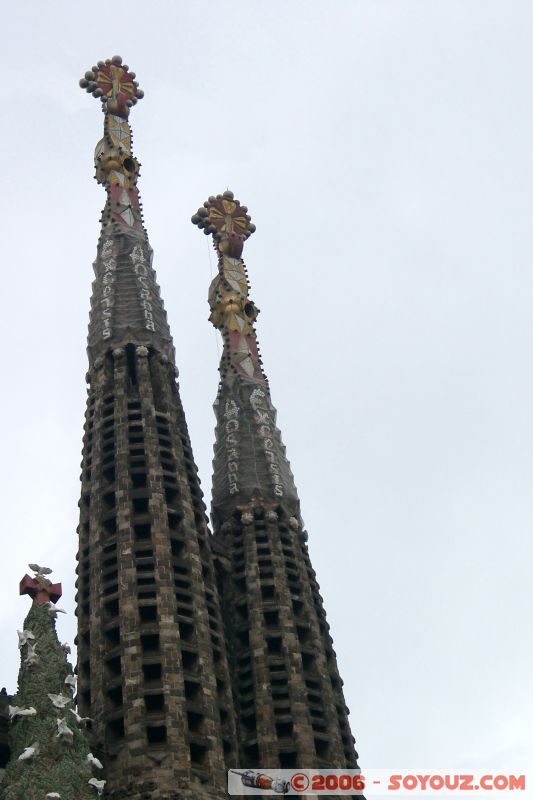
112	81
227	220
39	588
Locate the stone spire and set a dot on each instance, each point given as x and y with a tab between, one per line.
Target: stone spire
288	693
152	665
126	301
249	464
49	747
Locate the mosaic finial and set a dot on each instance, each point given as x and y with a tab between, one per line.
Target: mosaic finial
40	588
114	83
227	220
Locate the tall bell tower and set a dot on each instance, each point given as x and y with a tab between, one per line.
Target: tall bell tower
288	693
152	664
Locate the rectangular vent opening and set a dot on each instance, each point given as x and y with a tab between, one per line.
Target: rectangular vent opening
152	672
148	613
156	734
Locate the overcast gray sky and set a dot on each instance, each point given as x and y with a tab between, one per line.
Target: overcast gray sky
384	149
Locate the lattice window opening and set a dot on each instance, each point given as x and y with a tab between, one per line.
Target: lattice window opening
187	631
148	614
173	521
195	721
109	525
242	611
114	697
172	496
137	452
266	573
115	729
245	686
304	633
108	501
142	532
193	691
108	448
308	661
251	754
198	753
154	703
177	547
144	567
189	661
138	480
239	567
113	666
150	642
322	747
288	759
112	636
227	747
271	618
109	475
85	698
144	594
156	734
284	730
152	672
85	669
249	722
268	591
111	609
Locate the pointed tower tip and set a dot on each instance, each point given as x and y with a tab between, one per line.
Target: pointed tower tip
114	83
228	221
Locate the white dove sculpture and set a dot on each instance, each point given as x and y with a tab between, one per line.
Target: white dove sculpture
29	752
52	796
40	570
77	717
24	637
59	700
54	610
96	784
18	711
64	734
70	680
93	761
31	658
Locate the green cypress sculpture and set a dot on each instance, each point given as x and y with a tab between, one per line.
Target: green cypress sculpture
50	757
